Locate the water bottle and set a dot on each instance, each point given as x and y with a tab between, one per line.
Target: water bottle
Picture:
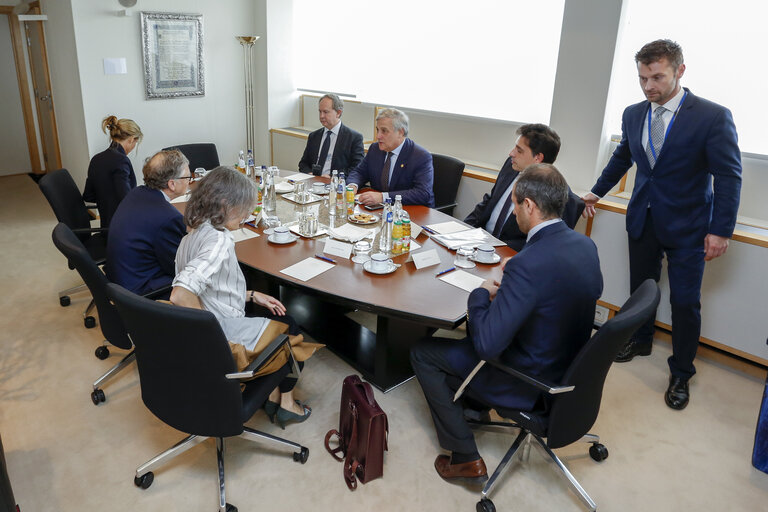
332	192
250	168
341	189
397	226
385	236
241	162
270	199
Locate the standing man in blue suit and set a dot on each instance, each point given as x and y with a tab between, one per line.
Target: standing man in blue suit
335	145
146	228
679	143
536	320
395	165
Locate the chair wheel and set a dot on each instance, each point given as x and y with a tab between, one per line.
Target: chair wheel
231	508
598	452
89	322
98	396
145	480
301	456
485	505
64	301
102	352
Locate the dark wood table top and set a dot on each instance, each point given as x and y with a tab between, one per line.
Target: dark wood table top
407	292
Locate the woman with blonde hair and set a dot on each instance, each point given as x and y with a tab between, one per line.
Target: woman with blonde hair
110	173
208	276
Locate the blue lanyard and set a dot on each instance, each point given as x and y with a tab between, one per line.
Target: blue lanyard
671	122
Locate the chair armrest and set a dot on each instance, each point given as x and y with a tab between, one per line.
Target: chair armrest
446	206
81	231
543	386
157	293
265	355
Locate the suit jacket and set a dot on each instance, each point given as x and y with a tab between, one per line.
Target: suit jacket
510	233
110	178
347	153
412	177
144	236
701	144
541	317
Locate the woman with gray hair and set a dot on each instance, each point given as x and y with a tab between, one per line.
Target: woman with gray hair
208	276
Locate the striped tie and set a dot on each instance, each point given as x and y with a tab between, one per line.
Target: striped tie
657	135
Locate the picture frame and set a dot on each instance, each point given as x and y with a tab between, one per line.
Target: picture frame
172	49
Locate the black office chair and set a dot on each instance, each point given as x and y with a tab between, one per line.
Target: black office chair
189	380
7	501
67	204
203	155
571	407
448	171
573	209
109	320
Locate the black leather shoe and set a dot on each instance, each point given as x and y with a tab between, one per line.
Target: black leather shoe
677	394
632	349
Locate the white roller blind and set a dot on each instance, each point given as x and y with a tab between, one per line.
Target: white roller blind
487	58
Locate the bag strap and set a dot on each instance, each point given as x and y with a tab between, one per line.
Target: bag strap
334	451
351	464
368	392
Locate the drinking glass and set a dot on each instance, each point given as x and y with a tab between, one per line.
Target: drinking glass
463	255
362	250
271	221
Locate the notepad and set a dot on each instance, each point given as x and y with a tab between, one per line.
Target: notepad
307	269
463	280
243	234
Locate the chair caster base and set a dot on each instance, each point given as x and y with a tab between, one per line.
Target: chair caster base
301	456
598	452
144	481
89	322
64	301
102	352
485	505
231	508
97	396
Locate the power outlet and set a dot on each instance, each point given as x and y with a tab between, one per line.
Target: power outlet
601	315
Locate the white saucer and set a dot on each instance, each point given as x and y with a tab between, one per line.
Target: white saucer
495	260
283	187
325	191
367	268
272	239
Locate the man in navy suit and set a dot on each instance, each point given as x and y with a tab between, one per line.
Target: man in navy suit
394	165
146	228
679	143
536	320
536	143
335	146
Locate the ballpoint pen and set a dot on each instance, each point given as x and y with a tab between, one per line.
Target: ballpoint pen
430	231
445	271
329	260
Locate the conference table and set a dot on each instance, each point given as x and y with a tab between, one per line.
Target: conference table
408	304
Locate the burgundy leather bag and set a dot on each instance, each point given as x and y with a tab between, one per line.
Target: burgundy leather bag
362	433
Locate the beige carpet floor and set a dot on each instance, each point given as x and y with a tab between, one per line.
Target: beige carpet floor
65	454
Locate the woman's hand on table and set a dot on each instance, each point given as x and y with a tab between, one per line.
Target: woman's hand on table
272	304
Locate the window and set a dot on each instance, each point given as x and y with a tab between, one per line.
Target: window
722	46
488	58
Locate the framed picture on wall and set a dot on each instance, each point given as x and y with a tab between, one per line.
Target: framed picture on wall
172	47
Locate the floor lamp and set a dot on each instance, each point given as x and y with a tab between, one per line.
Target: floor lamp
247	43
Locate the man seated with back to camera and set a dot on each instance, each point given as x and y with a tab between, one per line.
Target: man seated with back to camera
535	320
146	228
335	145
394	165
535	144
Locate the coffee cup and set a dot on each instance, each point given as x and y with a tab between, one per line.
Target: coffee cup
485	253
282	234
379	262
318	188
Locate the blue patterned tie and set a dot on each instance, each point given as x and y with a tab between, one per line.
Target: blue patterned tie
657	135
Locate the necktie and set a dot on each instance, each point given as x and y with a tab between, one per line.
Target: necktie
324	152
657	135
502	216
385	173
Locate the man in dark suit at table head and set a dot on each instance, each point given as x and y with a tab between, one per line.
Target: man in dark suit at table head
146	229
535	320
395	165
679	143
335	145
536	143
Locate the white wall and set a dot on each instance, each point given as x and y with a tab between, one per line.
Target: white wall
14	154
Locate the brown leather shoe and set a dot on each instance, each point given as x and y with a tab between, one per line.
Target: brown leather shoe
473	472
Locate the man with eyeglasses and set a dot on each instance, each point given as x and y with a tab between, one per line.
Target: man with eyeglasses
146	229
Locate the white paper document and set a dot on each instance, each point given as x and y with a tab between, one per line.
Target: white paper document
446	228
299	176
337	248
471	237
307	269
351	233
425	259
243	234
463	280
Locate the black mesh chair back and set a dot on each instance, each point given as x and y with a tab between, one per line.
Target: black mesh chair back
573	414
77	255
183	357
448	172
202	154
573	209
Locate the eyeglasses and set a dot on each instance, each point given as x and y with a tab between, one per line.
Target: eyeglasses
190	178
